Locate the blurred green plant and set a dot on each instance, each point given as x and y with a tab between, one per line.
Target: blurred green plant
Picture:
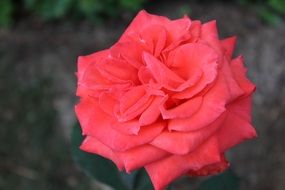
270	11
47	10
6	9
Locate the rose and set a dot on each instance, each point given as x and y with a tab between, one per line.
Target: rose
167	97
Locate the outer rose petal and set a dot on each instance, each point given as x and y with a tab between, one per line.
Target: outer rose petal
184	142
242	107
166	170
239	73
229	45
118	70
176	28
94	146
140	156
84	61
209	34
211	169
234	130
88	75
142	20
96	123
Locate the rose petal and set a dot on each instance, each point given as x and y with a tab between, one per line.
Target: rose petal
184	110
154	37
161	73
242	107
239	72
131	52
142	20
166	170
107	103
211	169
234	130
133	103
140	156
96	123
89	79
185	142
209	34
234	89
212	107
152	113
229	45
131	127
92	145
187	58
85	61
189	61
195	30
175	28
118	70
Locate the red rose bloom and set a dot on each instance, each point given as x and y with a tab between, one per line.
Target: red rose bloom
167	97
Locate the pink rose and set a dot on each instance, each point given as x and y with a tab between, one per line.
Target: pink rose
167	97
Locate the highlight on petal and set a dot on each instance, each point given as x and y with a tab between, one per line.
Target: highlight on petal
166	170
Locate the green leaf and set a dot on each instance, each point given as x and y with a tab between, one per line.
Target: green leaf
268	16
142	181
278	5
95	166
6	9
225	181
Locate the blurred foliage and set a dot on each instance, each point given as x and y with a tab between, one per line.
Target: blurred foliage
270	11
104	170
47	10
6	9
33	153
96	10
227	180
